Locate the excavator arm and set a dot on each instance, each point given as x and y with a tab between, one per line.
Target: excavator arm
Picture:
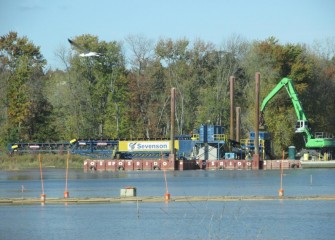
302	122
288	84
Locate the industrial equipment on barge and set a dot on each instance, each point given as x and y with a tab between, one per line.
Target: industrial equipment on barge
206	148
320	144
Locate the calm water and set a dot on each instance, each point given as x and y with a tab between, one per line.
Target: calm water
191	220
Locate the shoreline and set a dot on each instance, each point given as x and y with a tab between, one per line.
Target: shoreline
31	161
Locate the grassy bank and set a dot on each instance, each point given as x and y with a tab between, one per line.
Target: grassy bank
17	162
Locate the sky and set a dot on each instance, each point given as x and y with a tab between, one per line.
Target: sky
49	23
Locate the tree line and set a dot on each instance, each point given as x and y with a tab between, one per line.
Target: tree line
125	92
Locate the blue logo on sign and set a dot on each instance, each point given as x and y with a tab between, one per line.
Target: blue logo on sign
131	146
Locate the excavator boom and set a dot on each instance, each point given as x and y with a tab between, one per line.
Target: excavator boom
302	122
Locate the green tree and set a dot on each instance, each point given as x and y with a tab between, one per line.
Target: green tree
175	55
98	87
22	67
142	104
323	86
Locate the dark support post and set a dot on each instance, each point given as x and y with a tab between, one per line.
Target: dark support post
238	124
256	143
232	79
172	152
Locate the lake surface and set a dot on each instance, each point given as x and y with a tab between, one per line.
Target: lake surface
288	219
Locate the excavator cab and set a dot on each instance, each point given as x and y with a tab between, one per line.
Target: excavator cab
301	126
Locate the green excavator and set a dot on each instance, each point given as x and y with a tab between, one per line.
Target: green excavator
316	141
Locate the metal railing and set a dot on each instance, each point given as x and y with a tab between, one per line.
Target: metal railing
217	137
